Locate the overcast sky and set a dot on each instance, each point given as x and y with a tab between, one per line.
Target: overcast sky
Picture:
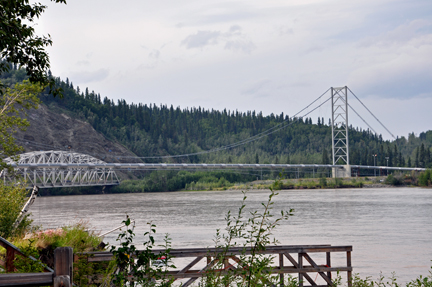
270	56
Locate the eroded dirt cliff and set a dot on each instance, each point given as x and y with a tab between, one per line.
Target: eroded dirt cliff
50	129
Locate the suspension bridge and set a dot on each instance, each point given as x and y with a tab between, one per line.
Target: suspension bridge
47	169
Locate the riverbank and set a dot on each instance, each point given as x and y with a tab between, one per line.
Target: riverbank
168	181
301	183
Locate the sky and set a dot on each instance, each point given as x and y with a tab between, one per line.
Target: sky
272	56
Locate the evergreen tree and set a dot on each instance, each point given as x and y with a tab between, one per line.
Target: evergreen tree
324	157
422	156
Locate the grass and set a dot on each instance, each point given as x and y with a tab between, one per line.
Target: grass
78	236
42	243
307	183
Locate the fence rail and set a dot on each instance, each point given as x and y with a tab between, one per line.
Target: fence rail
286	262
288	259
60	276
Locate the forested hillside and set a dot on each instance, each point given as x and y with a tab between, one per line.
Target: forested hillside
151	131
157	133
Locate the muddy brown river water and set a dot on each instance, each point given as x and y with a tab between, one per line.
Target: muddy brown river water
390	229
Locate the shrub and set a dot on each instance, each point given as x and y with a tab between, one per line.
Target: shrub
323	182
129	260
254	231
12	200
25	264
425	178
394	179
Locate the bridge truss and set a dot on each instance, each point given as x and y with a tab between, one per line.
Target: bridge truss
47	169
340	147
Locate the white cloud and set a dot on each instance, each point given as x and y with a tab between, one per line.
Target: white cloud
155	54
240	46
285	30
89	76
400	35
201	39
234	40
218	53
397	63
259	89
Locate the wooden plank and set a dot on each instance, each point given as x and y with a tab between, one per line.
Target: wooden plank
300	266
10	256
189	282
63	262
328	264
190	265
195	252
232	253
281	265
26	279
294	263
322	274
200	273
304	270
291	270
349	273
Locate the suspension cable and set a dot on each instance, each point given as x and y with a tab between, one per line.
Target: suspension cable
372	114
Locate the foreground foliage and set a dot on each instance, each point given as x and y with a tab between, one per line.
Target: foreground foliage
255	231
41	246
14	101
19	44
129	261
12	199
382	281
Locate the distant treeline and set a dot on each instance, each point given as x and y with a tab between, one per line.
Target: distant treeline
152	131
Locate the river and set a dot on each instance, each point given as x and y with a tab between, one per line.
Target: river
390	229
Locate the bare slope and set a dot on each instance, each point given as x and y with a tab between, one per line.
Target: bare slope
53	130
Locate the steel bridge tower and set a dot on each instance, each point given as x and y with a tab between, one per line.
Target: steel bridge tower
340	145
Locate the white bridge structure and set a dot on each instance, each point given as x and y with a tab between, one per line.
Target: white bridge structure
47	169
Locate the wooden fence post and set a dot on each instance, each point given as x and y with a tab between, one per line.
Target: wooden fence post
63	267
10	256
300	267
349	273
281	266
328	263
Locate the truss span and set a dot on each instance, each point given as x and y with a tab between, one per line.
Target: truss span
47	169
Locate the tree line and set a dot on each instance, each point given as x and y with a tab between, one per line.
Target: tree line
152	131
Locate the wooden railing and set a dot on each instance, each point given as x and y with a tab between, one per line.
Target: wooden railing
296	255
11	252
60	276
289	259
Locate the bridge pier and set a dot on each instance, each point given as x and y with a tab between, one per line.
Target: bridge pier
345	171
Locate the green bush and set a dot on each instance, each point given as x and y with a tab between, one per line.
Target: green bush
254	231
425	178
129	260
323	182
25	264
12	200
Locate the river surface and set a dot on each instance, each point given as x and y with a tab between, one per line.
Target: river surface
390	229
